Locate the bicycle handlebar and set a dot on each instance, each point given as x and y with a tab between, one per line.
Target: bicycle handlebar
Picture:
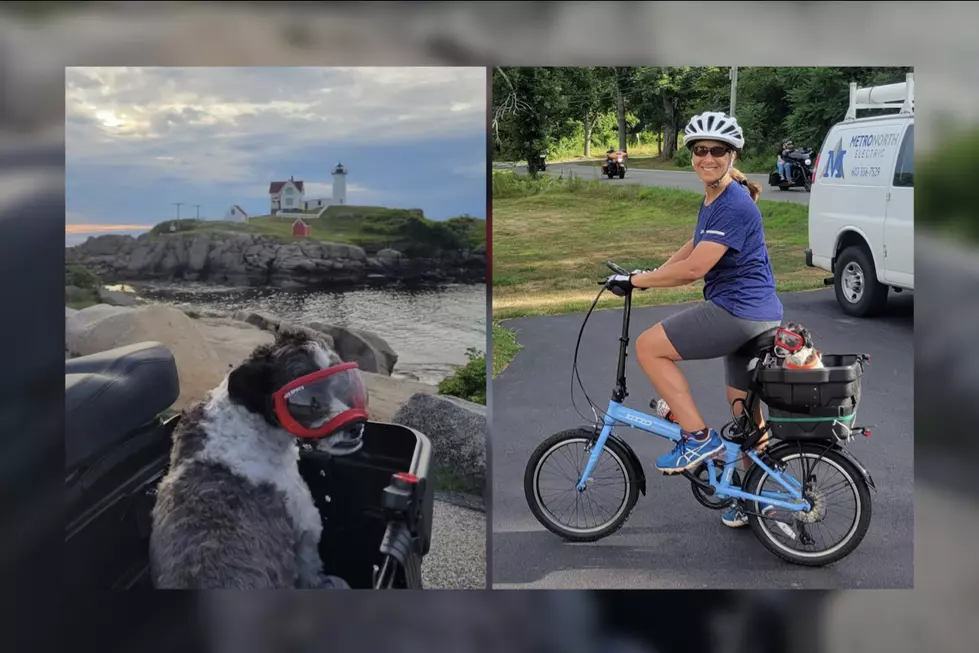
615	268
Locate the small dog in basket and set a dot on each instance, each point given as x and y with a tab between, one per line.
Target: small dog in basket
233	511
795	346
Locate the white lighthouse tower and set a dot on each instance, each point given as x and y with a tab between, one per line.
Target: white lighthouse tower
339	184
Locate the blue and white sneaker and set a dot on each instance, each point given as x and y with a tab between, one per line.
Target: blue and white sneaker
735	517
690	453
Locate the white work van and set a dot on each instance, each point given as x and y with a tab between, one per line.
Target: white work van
861	209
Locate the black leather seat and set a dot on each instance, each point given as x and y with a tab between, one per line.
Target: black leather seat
759	343
112	393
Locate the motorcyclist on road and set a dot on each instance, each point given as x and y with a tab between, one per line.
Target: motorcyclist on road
784	163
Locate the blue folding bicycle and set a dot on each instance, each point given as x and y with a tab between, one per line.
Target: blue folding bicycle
813	478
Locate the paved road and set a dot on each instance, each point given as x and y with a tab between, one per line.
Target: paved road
671	541
671	179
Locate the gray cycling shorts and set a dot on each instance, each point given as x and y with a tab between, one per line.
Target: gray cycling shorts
705	331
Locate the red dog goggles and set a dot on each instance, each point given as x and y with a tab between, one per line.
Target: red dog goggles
788	340
317	405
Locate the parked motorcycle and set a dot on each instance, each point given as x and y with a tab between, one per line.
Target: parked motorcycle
615	164
376	505
800	172
542	162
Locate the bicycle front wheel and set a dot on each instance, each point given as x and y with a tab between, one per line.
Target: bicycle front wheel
605	504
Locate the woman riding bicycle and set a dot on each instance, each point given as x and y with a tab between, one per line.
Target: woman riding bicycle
729	253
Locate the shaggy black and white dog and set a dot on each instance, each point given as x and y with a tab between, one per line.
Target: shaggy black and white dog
233	511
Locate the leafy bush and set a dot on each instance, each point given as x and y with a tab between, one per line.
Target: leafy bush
682	158
469	380
80	276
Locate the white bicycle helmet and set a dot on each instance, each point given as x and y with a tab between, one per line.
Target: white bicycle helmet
714	126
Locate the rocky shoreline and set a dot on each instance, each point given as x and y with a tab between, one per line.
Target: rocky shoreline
250	260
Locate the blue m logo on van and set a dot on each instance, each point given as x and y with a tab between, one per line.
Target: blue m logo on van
834	161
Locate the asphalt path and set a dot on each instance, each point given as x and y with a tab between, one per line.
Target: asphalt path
670	179
671	541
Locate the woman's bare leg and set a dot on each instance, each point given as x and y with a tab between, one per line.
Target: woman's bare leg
658	358
733	394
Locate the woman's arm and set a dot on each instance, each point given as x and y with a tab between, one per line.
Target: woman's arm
681	254
680	273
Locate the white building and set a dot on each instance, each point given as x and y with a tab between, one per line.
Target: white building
339	191
286	196
236	214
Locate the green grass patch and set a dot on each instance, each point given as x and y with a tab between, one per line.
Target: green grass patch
505	348
447	479
406	230
551	238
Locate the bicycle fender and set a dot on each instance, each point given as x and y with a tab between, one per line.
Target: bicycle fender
791	446
856	463
634	459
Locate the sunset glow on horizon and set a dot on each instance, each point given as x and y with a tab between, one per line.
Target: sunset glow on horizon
89	228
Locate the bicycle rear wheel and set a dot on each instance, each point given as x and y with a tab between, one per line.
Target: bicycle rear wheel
560	507
838	520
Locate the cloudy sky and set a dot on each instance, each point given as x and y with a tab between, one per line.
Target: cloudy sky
140	139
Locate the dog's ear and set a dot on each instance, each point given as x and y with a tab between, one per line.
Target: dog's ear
806	336
250	384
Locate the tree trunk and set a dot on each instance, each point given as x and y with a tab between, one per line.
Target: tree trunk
532	164
589	125
669	138
659	142
620	102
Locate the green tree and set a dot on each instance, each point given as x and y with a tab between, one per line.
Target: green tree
530	111
534	108
680	93
594	93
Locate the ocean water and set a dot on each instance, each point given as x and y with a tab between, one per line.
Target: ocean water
429	328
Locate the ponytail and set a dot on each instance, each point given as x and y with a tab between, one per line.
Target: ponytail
754	189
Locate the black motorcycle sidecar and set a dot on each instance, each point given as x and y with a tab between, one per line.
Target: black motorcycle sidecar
376	504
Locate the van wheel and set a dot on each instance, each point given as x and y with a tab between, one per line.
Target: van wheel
858	292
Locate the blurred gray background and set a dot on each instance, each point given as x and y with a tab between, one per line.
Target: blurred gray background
38	39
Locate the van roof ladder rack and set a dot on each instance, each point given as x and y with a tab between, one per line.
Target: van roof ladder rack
891	96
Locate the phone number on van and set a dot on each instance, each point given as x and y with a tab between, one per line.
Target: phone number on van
862	171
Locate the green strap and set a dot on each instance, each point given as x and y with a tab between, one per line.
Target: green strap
847	418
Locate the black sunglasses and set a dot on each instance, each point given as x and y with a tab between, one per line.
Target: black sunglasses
717	151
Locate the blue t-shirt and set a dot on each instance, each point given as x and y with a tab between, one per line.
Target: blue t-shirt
742	282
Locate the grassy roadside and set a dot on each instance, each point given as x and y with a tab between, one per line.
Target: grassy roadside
551	238
748	166
505	348
647	157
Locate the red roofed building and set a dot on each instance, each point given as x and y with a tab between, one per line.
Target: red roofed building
287	196
300	229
